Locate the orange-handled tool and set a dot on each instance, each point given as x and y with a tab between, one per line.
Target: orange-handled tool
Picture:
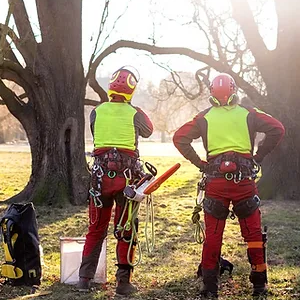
153	186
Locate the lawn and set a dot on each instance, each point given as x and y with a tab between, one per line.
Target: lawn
169	271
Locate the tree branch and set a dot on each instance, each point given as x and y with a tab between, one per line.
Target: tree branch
25	79
91	102
7	50
24	29
154	50
12	101
11	76
101	27
18	43
244	17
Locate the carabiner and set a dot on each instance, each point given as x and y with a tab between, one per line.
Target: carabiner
228	176
95	167
127	173
111	174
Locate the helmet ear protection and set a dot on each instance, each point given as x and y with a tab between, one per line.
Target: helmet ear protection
123	83
231	100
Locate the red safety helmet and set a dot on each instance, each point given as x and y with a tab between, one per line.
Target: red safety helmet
223	90
123	83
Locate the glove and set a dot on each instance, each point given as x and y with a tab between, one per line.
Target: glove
202	166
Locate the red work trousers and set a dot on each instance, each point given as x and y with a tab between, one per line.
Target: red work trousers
99	219
228	191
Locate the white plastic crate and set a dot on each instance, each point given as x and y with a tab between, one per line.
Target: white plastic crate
70	259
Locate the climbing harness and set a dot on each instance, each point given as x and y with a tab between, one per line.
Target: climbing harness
232	166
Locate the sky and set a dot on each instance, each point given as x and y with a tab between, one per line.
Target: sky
136	23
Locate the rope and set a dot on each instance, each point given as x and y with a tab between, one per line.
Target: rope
134	236
150	243
199	233
133	209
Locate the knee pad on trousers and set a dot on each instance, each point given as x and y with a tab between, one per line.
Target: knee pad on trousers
215	208
246	208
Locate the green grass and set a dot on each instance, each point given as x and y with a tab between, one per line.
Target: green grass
168	272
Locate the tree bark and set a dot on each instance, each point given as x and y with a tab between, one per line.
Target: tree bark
53	117
55	131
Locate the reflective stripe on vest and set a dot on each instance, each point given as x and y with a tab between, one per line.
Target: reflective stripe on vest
114	126
227	130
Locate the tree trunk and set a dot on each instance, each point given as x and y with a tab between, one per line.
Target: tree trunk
281	169
54	116
56	137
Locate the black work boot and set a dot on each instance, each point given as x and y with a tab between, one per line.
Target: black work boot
210	284
84	284
124	287
259	280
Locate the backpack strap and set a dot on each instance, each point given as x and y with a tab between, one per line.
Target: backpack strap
9	269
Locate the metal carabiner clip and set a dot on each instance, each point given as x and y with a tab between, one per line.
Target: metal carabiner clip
95	167
228	176
100	173
239	179
111	174
127	173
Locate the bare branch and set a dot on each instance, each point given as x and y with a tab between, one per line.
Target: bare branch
11	76
23	96
24	78
244	17
177	81
7	50
207	59
24	28
91	102
18	43
102	23
3	34
205	77
200	27
11	100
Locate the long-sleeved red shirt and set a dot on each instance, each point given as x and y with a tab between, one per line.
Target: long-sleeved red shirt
256	121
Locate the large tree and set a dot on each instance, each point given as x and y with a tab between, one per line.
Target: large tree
54	83
52	110
235	44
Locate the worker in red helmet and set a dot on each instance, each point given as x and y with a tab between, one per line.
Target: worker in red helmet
228	132
116	126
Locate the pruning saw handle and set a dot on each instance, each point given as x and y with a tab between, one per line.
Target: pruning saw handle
154	185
